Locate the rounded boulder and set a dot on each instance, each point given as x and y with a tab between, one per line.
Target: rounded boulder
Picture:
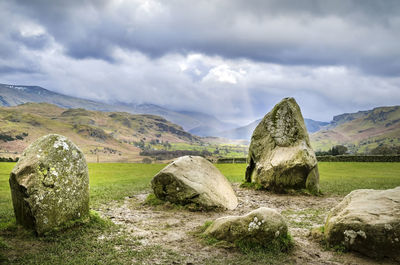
194	180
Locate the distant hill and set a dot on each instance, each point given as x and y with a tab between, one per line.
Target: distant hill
315	126
112	135
13	95
361	131
245	132
209	125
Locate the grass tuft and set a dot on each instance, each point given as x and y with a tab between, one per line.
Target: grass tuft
251	185
284	243
152	200
3	247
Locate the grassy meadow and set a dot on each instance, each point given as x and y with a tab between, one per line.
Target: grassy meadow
112	181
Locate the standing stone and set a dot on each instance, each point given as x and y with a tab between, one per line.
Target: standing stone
280	154
50	184
367	221
194	180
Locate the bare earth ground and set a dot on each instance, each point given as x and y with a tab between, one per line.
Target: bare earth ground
172	228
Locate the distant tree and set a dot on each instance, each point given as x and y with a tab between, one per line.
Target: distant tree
338	150
323	153
146	160
205	153
385	150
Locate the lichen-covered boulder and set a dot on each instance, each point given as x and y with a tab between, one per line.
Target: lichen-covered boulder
50	184
194	180
367	221
261	227
280	154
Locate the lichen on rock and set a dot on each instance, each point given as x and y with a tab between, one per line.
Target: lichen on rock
366	221
280	153
50	184
194	180
262	227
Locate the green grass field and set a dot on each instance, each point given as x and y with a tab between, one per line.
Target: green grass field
115	181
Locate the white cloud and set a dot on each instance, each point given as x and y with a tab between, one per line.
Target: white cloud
224	74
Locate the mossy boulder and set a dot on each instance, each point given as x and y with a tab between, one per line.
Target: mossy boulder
50	184
367	221
262	227
193	180
280	153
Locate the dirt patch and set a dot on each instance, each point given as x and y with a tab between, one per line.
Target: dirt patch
172	228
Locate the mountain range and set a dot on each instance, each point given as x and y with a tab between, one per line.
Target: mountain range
360	131
114	136
199	123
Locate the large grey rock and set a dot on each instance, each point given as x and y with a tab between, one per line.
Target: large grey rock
50	184
280	154
194	180
367	221
259	227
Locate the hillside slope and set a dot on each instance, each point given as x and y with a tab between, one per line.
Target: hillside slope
113	136
361	131
13	95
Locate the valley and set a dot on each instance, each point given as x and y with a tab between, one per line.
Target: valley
123	132
105	136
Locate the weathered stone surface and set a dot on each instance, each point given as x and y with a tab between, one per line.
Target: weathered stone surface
280	154
367	221
194	180
50	184
261	227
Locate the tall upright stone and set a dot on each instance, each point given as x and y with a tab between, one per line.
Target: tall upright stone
280	154
50	184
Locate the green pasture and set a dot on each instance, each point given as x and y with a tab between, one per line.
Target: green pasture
224	150
114	181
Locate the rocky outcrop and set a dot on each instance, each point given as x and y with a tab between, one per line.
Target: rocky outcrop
280	154
194	180
367	221
261	227
50	184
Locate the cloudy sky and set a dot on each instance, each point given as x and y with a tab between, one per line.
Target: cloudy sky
230	58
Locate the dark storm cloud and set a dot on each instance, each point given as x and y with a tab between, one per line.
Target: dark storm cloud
231	58
359	33
17	39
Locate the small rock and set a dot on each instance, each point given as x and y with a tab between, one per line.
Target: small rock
260	227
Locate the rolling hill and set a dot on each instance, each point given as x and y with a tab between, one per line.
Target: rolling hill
361	131
13	95
113	136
